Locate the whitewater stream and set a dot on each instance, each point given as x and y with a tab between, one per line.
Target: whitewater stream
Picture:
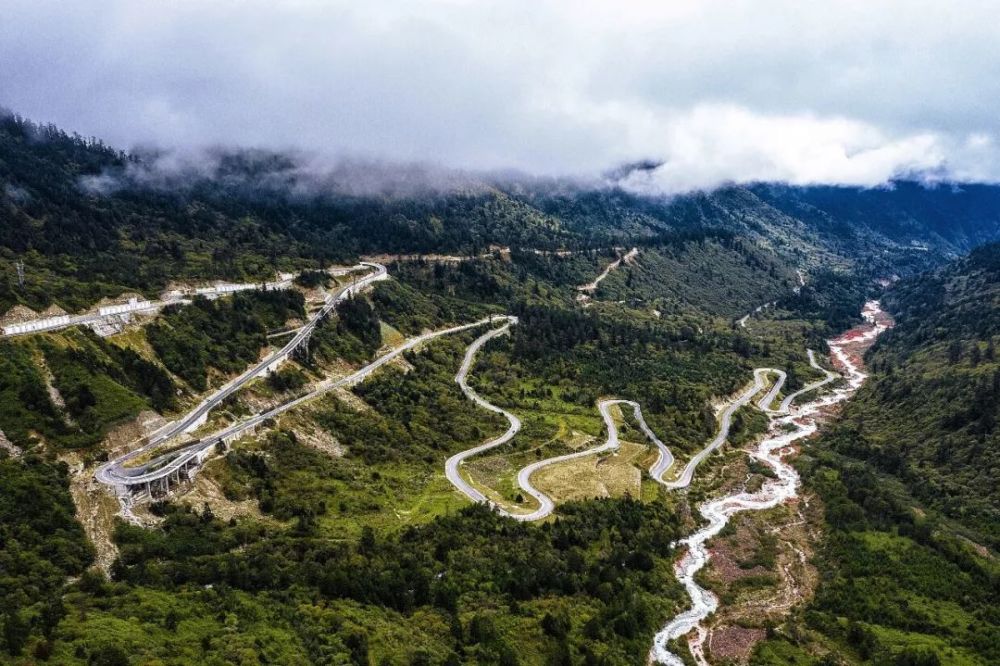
788	424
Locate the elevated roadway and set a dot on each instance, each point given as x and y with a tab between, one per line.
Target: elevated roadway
115	472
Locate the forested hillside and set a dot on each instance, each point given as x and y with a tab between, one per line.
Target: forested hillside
69	389
908	479
956	217
90	221
930	415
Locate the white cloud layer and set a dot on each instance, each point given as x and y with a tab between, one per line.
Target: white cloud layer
719	90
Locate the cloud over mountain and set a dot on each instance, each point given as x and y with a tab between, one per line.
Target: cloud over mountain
718	91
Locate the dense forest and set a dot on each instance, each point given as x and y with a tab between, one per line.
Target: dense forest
226	335
930	415
42	545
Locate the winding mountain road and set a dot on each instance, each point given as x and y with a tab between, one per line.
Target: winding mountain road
592	286
764	404
657	471
545	503
662	465
451	466
115	473
162	466
787	425
786	404
725	423
742	321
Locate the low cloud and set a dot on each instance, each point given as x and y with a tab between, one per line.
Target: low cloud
293	173
718	90
719	144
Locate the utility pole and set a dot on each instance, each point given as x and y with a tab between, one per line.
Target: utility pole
20	273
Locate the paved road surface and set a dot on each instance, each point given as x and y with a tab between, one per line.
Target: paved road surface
725	422
545	503
786	404
114	472
764	404
663	464
163	466
451	466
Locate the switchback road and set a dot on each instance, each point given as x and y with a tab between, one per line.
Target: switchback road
114	472
451	466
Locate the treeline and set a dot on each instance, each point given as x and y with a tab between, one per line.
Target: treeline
223	334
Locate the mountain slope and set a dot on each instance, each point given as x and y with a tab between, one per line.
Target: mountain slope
89	221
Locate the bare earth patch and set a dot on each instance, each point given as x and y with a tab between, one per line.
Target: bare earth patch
206	490
124	437
609	475
8	446
734	642
310	434
351	399
96	509
96	506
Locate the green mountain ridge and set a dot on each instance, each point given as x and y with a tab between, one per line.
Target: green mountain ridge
254	214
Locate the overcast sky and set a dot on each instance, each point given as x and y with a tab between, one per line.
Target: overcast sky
728	90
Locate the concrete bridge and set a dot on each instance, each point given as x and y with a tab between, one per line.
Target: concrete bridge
155	475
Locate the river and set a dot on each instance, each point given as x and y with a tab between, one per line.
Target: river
788	424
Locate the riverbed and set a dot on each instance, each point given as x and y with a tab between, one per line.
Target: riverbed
788	425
